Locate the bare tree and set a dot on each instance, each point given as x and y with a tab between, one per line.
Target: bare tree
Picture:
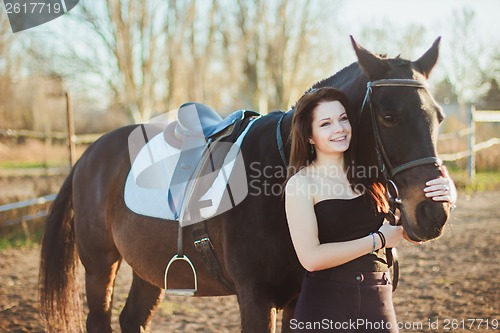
191	28
153	55
406	41
278	48
132	36
12	115
463	67
490	77
5	70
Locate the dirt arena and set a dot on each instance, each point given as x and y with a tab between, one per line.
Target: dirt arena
448	285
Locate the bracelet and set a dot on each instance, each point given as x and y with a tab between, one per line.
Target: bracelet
382	238
374	243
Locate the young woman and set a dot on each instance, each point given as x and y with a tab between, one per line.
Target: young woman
337	229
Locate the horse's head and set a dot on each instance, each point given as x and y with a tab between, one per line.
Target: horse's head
406	120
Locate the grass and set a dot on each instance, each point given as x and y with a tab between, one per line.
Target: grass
21	236
30	165
483	181
35	154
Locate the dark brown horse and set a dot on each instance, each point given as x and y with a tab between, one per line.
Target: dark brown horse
90	221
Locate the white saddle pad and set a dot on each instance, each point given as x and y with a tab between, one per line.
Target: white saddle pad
147	184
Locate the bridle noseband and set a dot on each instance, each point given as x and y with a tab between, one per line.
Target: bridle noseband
385	165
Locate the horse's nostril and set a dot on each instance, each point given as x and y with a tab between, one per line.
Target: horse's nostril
424	211
431	218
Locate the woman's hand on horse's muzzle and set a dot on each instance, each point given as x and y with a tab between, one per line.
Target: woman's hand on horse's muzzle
442	188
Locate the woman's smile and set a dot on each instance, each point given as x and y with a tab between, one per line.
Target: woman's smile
340	139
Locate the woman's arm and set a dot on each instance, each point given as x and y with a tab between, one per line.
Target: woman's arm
302	223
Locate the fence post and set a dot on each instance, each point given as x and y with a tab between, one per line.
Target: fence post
471	161
71	131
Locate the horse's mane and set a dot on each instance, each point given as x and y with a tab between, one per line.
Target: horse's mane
354	72
329	81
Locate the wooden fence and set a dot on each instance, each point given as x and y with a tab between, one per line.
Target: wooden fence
77	139
475	116
37	207
27	210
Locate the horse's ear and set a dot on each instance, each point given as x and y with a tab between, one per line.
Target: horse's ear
372	65
426	63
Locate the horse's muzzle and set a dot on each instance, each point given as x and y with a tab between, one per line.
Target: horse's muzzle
431	217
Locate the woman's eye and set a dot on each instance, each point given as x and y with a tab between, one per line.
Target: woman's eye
343	119
325	124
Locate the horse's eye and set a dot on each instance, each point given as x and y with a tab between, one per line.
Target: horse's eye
389	119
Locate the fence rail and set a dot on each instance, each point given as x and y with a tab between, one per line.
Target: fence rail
78	139
455	135
34	172
32	205
467	153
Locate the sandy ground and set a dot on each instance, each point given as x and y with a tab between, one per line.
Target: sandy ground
444	284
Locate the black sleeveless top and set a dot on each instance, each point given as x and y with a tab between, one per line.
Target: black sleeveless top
341	220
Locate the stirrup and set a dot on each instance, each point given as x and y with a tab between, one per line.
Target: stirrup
183	291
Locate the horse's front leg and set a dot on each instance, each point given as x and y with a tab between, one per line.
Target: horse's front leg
258	314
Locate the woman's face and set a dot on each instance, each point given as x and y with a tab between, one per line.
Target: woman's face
331	130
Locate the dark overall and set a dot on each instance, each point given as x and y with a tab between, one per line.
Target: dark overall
353	297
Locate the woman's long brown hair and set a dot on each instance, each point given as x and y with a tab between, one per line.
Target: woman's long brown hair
301	154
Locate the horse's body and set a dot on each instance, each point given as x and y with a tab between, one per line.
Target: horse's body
251	241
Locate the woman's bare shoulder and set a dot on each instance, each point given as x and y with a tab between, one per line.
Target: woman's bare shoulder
300	178
298	184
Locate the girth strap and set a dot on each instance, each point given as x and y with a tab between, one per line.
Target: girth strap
205	248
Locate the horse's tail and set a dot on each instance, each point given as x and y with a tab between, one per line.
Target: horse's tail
58	281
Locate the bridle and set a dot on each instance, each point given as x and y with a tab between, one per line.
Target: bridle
388	170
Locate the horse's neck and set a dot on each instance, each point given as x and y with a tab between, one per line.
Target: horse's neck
352	82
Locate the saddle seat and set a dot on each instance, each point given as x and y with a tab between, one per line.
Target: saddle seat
199	120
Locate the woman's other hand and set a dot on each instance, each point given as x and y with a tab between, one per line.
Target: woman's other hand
393	234
442	188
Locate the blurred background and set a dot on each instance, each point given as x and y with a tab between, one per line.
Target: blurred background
110	63
113	63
